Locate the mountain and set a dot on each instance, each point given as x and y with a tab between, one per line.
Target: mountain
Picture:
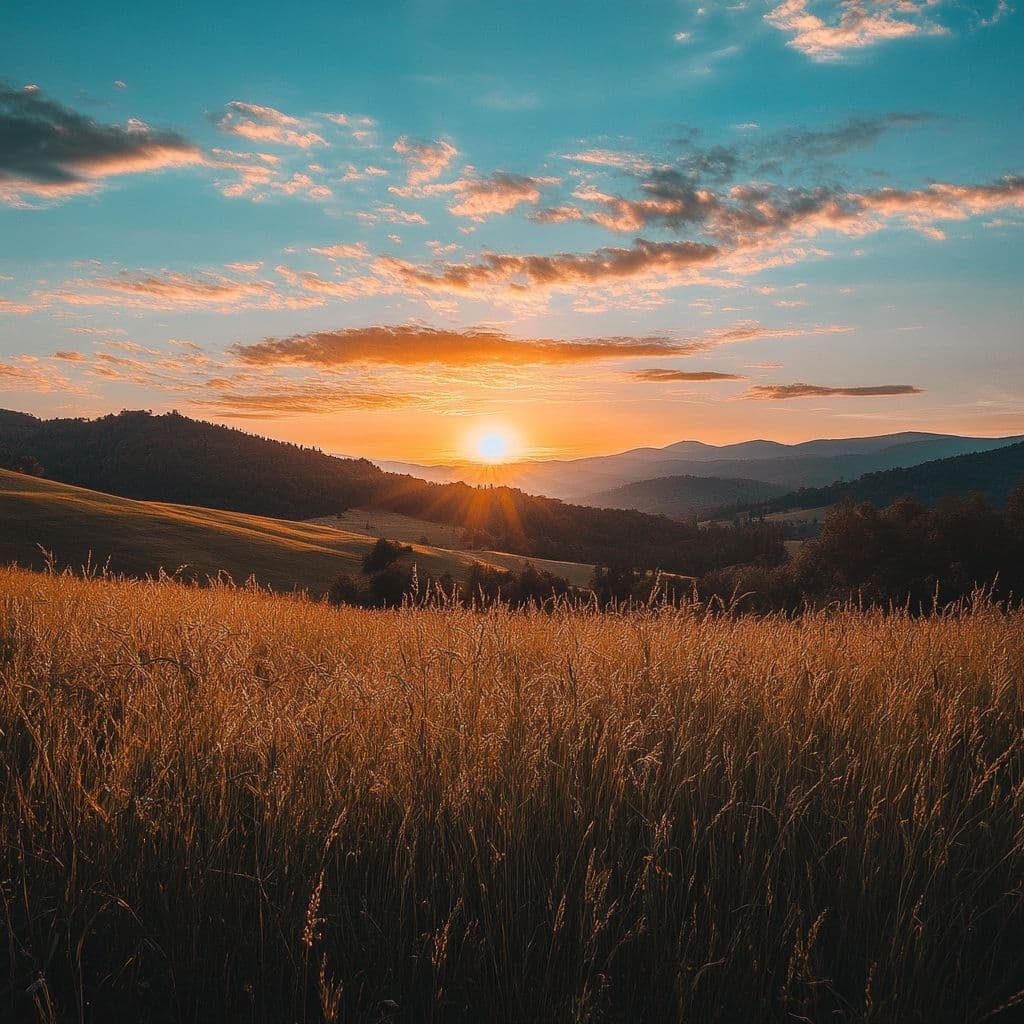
807	464
77	526
171	458
993	474
684	497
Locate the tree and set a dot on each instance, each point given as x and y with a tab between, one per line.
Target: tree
30	466
381	555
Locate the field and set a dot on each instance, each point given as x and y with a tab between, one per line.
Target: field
220	804
78	525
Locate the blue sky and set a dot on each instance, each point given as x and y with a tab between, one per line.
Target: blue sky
382	227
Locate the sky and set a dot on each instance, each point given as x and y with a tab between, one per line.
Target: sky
387	229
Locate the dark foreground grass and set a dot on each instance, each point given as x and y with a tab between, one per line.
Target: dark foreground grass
221	805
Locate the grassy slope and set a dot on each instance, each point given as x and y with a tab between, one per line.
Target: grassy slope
140	537
570	817
408	529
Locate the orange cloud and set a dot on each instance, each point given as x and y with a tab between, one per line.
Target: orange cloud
17	308
426	160
644	259
776	392
169	290
266	124
479	198
853	25
414	345
295	398
658	376
341	251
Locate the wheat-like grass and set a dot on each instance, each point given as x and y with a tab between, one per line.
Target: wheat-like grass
224	805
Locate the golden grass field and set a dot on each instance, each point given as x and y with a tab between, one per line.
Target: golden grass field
140	538
222	805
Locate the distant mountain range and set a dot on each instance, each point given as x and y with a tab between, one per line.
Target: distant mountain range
742	469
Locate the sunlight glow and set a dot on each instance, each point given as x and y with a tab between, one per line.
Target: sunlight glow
493	444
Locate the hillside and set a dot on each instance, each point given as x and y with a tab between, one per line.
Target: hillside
993	474
683	497
139	538
171	458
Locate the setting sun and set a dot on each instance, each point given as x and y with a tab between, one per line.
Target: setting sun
492	444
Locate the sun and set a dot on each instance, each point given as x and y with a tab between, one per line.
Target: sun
493	444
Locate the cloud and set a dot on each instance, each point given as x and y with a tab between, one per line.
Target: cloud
71	357
777	392
851	24
1002	10
297	398
48	151
479	198
18	308
659	376
535	273
169	290
259	175
749	214
635	163
854	133
415	345
672	206
341	251
29	373
265	124
426	160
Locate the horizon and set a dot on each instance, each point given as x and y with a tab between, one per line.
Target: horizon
483	464
557	232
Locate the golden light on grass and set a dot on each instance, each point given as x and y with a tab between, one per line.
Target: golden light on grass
219	804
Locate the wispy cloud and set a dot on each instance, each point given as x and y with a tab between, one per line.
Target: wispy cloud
267	124
657	375
778	392
536	273
479	198
294	398
852	24
426	161
173	291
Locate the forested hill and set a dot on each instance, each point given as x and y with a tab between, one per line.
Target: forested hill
176	459
993	474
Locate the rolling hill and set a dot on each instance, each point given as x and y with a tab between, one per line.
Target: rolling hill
171	458
138	538
993	474
683	497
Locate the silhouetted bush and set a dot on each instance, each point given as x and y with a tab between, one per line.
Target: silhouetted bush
382	554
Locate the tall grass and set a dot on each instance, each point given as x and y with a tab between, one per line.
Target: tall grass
222	805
